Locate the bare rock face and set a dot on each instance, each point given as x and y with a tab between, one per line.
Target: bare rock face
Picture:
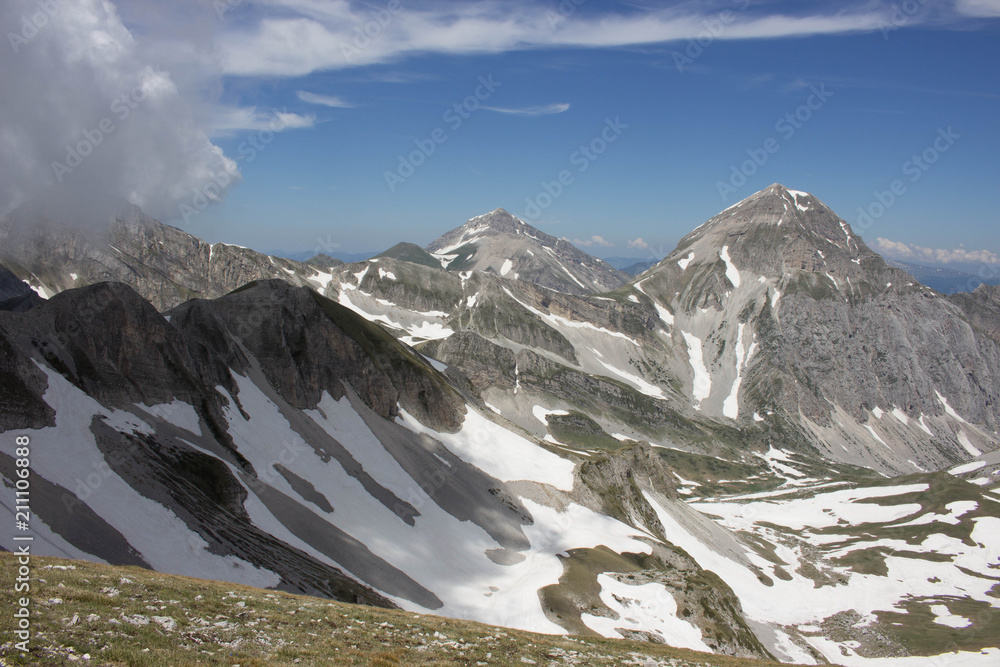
500	243
15	294
982	308
163	264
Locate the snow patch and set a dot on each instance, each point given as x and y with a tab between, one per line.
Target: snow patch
542	414
702	385
499	452
971	466
321	279
731	406
876	436
177	412
732	273
963	440
506	268
945	617
683	262
647	607
635	381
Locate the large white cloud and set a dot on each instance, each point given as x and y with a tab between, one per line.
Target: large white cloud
83	111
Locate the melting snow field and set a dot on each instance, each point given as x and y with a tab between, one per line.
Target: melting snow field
648	607
499	452
836	524
172	547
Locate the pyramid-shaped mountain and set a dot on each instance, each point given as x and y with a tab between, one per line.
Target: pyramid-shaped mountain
500	243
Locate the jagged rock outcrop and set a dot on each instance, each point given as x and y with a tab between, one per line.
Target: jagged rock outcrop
163	264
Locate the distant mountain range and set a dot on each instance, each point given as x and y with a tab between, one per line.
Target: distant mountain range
944	280
771	443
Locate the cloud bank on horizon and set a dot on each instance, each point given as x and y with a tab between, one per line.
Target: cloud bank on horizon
914	253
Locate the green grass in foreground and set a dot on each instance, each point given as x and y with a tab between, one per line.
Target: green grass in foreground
88	614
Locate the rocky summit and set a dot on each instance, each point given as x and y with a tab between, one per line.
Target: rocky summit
770	445
507	246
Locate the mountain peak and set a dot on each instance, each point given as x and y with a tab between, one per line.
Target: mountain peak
500	243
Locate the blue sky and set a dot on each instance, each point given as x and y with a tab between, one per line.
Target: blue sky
873	87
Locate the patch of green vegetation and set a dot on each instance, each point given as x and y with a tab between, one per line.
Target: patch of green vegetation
578	587
578	430
125	616
914	627
719	476
866	561
410	252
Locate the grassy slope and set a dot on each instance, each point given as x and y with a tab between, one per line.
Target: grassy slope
107	612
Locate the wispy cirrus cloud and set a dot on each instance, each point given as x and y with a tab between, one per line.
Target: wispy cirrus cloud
298	37
324	100
541	110
960	255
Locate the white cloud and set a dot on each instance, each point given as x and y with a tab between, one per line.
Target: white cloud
79	72
228	120
297	37
960	255
325	100
544	110
638	244
979	8
594	240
